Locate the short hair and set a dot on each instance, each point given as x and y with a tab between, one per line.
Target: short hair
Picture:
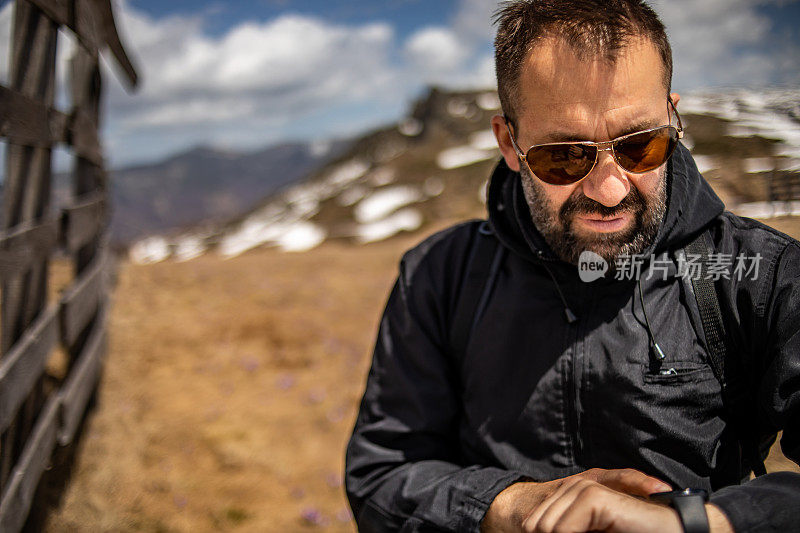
589	26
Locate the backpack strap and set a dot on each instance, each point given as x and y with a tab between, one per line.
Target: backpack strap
714	330
481	272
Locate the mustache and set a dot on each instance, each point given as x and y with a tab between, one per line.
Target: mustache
582	205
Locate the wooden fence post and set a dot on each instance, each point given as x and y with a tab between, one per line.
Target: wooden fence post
34	419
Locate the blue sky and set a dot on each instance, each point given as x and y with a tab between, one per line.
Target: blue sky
242	75
405	15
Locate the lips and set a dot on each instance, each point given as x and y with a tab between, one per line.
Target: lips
600	223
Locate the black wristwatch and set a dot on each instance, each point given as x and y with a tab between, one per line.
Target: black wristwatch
691	507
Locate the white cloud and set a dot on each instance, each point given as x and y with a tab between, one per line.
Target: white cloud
436	50
726	42
459	55
472	21
291	64
256	84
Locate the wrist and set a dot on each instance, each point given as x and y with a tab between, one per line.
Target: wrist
717	520
501	512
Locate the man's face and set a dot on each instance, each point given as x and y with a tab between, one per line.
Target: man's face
564	97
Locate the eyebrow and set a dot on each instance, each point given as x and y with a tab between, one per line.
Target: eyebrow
558	136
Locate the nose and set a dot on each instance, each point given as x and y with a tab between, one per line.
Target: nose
606	183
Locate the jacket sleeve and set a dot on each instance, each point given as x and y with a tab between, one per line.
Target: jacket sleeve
772	502
403	470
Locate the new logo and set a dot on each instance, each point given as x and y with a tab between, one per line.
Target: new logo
591	266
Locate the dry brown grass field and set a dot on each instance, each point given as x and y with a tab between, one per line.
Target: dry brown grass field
230	390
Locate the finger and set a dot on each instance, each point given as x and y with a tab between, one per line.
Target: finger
614	512
532	521
552	516
631	481
591	510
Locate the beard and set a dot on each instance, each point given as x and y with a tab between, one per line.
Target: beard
559	231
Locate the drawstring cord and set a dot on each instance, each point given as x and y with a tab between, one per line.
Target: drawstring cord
571	318
656	348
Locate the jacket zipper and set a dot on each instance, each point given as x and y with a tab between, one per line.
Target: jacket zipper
570	384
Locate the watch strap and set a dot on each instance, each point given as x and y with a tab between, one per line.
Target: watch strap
692	512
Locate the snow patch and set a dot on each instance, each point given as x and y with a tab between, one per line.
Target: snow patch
753	101
410	127
462	156
754	165
772	114
483	140
403	220
705	163
457	107
737	130
301	237
352	195
252	233
433	187
488	101
768	209
384	201
347	173
149	250
297	236
383	176
189	247
789	164
304	201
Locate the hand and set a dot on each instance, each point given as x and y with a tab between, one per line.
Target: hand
584	505
581	505
513	506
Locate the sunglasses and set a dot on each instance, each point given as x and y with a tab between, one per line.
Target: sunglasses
563	163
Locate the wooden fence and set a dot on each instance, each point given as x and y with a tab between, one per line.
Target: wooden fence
783	186
37	411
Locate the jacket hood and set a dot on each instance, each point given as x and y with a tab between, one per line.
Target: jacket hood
691	206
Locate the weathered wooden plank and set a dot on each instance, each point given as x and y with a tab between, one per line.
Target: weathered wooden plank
33	52
28	122
89	177
87	25
7	456
83	221
32	74
24	364
105	30
111	37
26	194
84	138
24	245
35	457
27	185
80	302
56	10
82	381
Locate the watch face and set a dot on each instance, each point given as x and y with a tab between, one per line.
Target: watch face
667	497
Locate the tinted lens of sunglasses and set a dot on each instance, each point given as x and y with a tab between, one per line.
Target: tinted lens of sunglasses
561	164
647	150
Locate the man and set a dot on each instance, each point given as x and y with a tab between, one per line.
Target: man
573	402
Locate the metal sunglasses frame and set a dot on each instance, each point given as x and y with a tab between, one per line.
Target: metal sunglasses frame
602	146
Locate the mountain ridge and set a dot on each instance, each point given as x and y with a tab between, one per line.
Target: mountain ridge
433	165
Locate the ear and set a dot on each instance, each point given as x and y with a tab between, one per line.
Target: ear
675	98
504	142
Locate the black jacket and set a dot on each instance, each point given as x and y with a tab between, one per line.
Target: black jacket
439	434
